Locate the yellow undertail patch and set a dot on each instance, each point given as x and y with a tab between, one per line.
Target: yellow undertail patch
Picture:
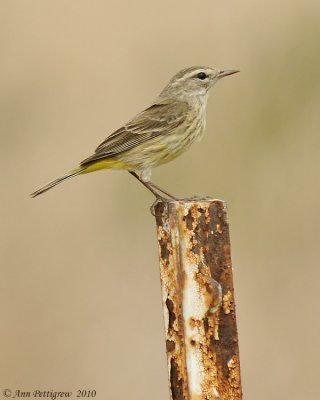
108	163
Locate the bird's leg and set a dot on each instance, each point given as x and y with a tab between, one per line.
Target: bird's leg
146	184
156	190
156	187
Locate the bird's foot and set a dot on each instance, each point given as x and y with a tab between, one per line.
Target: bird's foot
159	199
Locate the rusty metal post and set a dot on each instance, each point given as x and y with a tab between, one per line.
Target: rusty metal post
198	300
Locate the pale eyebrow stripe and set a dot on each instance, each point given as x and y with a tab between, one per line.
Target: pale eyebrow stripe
190	74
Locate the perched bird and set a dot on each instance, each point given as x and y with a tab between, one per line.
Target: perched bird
158	134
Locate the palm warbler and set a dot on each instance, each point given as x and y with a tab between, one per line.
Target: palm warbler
158	134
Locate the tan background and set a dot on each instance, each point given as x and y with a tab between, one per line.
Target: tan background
80	294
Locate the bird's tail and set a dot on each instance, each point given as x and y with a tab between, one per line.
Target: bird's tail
50	185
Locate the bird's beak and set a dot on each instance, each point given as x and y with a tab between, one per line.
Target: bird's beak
226	72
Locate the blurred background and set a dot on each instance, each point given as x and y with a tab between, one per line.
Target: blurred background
80	293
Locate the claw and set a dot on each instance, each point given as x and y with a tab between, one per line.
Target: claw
155	203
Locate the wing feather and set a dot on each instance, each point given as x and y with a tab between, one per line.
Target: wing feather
159	119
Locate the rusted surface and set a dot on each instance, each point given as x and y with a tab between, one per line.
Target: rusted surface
198	300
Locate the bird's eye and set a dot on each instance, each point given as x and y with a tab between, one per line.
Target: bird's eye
202	75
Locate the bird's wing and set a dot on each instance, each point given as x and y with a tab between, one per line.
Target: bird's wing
159	119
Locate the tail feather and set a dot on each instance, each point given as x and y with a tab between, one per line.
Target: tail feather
50	185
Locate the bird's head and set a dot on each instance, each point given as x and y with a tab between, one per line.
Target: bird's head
194	82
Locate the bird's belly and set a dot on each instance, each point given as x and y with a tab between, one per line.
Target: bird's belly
163	149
